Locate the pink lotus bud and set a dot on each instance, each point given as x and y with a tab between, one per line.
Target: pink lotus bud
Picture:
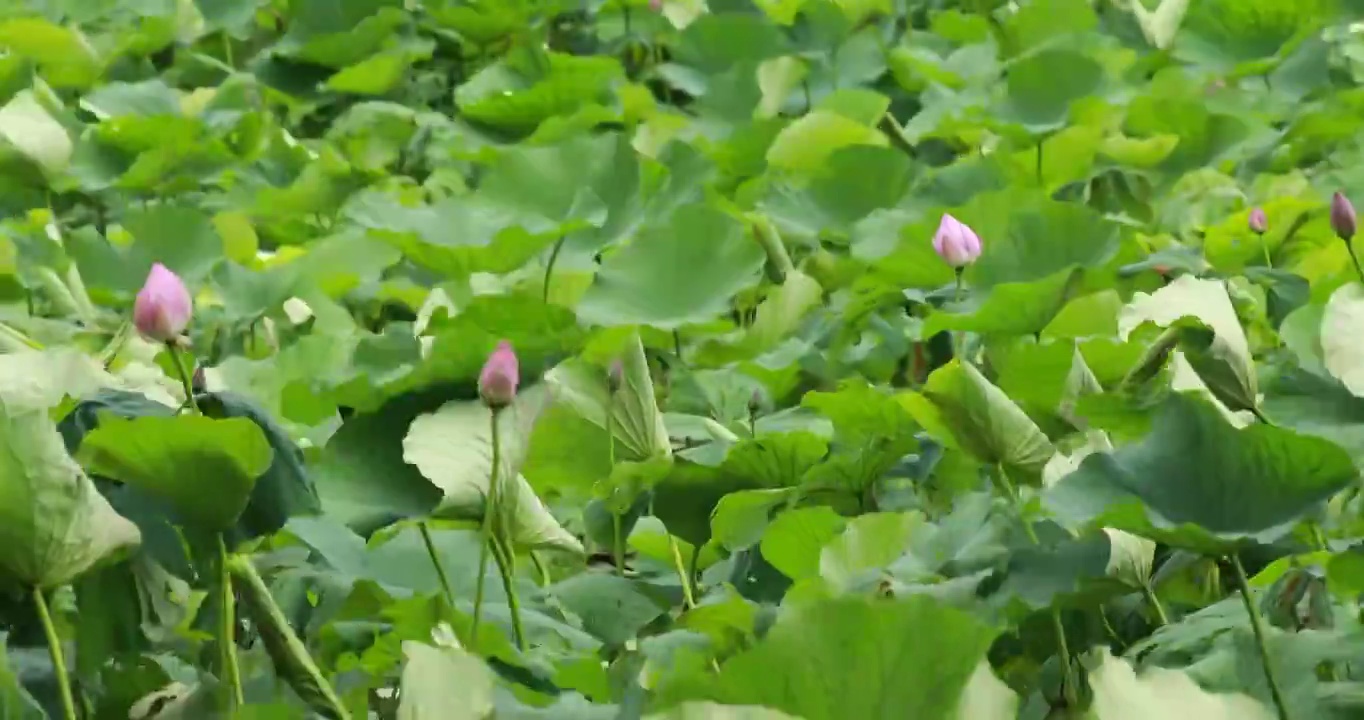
1257	220
656	5
615	376
1342	216
500	376
163	306
956	243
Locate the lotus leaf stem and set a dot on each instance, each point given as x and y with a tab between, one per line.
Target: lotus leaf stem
227	625
485	531
425	528
54	649
1257	625
286	650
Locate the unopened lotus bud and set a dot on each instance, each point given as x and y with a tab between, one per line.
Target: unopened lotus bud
755	402
615	376
1257	221
1342	216
163	306
957	244
500	377
198	382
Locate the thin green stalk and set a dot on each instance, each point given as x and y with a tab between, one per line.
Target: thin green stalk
1039	163
504	552
54	649
549	266
1355	259
1154	602
688	597
617	542
110	352
1257	624
478	584
506	566
485	530
227	50
425	528
1264	246
185	378
227	632
12	340
1062	646
541	570
958	338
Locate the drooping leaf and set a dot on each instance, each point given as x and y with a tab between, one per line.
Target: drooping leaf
452	447
55	524
205	467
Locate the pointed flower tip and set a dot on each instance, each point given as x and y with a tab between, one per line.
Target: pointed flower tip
615	375
1257	220
1342	216
163	307
501	374
955	242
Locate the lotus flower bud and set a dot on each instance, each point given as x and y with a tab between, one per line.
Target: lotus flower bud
163	306
615	376
500	376
1342	216
656	5
755	402
198	381
956	243
1257	221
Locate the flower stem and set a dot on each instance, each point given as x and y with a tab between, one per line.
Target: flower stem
617	542
485	531
1257	624
1355	259
185	378
500	531
54	649
1071	687
425	528
959	337
506	566
227	626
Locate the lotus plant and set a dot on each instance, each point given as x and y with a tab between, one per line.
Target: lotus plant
1259	223
497	385
958	246
161	312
